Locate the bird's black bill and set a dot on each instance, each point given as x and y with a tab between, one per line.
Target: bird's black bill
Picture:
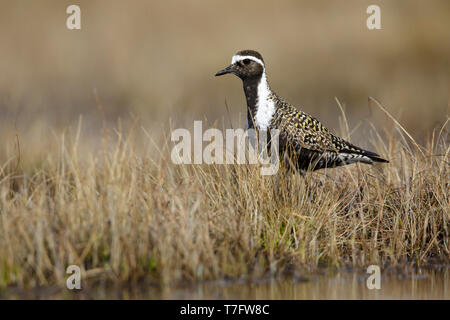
228	69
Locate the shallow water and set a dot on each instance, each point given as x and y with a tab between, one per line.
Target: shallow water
422	283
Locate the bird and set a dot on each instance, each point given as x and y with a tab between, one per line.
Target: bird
303	140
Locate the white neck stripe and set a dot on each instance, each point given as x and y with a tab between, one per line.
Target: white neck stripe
240	58
265	105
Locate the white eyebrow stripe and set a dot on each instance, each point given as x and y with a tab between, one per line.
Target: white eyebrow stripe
240	58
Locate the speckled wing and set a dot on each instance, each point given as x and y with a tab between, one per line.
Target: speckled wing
304	131
314	144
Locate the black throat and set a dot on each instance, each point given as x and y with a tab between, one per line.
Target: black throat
251	95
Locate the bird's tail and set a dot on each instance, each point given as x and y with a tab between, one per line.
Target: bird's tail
355	154
378	159
373	156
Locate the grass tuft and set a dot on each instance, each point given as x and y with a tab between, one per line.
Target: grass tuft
126	216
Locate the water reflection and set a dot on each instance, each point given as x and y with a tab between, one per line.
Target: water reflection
429	284
423	283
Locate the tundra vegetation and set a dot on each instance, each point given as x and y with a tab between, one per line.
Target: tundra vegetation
124	215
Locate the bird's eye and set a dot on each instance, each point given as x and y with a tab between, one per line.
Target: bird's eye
246	61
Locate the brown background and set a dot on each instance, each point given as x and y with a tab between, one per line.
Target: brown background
155	61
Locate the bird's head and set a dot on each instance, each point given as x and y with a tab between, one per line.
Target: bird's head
245	64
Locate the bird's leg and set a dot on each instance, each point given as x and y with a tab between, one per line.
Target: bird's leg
302	173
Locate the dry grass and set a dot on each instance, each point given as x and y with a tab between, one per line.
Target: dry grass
112	202
125	216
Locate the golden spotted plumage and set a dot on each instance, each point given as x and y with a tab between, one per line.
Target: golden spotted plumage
303	139
310	142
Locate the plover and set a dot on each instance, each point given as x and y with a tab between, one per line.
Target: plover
308	144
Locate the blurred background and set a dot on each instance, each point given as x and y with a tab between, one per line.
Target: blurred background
155	61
